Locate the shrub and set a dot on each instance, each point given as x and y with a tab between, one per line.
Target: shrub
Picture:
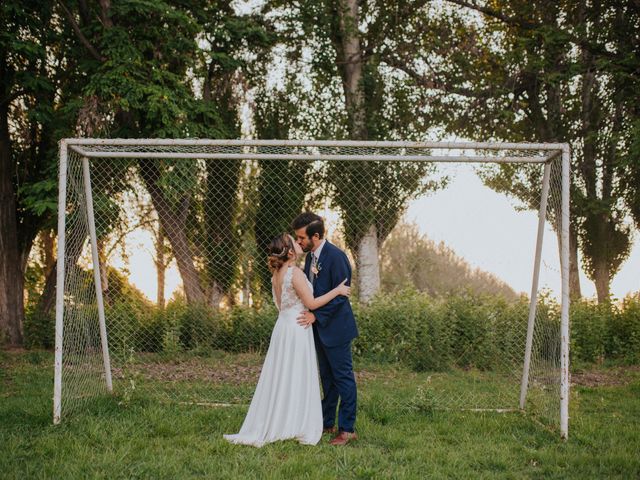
39	329
623	340
484	332
435	334
589	330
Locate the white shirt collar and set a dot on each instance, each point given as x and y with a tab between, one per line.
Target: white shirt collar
317	251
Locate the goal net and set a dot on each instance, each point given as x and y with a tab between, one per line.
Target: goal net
164	291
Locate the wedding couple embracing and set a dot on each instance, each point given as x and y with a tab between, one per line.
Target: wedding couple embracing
287	403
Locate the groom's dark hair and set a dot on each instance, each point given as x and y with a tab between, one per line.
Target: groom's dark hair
313	222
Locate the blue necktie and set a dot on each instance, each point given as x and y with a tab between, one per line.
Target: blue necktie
311	265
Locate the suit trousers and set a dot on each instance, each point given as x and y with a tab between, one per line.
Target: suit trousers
338	383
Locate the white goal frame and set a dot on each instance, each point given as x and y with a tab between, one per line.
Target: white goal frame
312	150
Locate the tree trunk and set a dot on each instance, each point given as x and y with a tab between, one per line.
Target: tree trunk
246	290
102	265
215	295
174	225
161	267
368	266
48	297
575	293
73	249
48	249
11	278
350	60
601	279
160	275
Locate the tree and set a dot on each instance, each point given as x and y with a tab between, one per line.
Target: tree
541	71
178	85
282	184
231	40
30	123
345	39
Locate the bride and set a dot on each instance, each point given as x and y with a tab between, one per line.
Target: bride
286	403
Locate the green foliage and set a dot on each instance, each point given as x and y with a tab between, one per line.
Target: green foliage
219	238
589	325
424	333
132	68
624	332
282	184
386	112
430	334
406	327
128	314
631	181
383	190
606	331
486	332
31	121
182	327
39	197
130	325
250	331
143	71
39	329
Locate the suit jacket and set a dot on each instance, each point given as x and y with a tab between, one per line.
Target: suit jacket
335	323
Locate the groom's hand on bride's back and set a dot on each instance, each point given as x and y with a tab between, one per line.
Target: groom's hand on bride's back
306	319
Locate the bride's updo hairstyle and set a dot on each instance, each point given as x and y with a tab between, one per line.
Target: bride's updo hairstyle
279	249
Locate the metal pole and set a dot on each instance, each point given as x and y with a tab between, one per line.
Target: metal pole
564	319
311	156
96	273
313	143
542	215
62	201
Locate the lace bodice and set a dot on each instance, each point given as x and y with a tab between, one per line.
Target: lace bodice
289	298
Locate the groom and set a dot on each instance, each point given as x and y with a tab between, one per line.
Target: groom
334	326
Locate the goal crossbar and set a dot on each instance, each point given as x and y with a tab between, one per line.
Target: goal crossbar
329	150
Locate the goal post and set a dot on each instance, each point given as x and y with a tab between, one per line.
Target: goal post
83	361
564	324
542	214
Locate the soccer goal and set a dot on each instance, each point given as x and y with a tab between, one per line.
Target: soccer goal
164	291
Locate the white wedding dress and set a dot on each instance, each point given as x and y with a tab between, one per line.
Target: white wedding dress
286	403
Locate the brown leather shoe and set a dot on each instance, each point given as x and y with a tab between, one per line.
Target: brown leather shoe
329	430
343	438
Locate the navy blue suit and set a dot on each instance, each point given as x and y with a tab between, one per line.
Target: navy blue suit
334	329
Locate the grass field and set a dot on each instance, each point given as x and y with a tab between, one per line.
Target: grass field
135	437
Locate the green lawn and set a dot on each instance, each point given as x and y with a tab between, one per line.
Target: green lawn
141	438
